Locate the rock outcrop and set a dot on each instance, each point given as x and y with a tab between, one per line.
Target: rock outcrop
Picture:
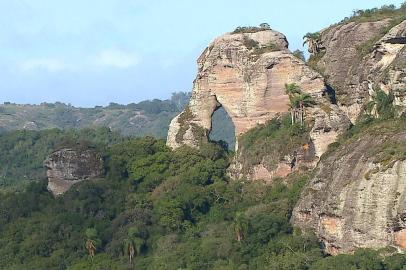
246	74
357	198
359	58
67	167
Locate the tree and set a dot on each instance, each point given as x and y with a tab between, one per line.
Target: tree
265	26
297	98
381	105
299	54
292	89
133	243
313	42
92	241
240	226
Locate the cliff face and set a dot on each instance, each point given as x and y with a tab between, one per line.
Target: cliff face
67	167
360	57
246	74
357	198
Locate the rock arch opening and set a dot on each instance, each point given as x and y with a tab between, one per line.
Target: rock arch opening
222	128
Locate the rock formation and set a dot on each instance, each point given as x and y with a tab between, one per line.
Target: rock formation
357	198
67	167
246	74
360	58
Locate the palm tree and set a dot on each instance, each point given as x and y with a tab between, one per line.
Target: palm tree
129	249
292	89
240	226
92	241
91	248
297	98
133	243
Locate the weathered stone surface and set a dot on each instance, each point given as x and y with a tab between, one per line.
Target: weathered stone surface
67	167
353	75
355	201
248	81
388	63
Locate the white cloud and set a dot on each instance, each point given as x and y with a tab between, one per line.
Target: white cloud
105	59
113	58
45	64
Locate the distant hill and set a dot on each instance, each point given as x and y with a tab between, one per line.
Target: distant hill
150	117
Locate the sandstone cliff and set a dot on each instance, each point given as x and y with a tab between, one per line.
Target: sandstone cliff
246	74
67	167
357	198
360	57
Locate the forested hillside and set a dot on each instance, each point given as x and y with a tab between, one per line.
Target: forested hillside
162	209
144	118
181	208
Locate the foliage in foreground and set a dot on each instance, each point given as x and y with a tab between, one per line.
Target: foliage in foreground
177	209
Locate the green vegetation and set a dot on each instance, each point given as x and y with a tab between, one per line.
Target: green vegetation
381	105
271	47
251	29
22	152
249	43
258	50
368	46
150	118
162	209
314	60
382	122
396	16
299	54
155	208
377	14
184	122
297	98
159	209
271	142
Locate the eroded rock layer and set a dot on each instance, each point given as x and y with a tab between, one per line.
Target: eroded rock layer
362	57
246	74
67	167
357	198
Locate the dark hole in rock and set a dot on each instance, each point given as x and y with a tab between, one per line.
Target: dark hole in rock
223	129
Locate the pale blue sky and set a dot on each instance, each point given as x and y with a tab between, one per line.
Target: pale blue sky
92	52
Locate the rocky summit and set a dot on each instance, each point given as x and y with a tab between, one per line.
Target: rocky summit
247	75
353	201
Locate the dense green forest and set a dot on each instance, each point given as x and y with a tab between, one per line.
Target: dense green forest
163	209
22	152
170	210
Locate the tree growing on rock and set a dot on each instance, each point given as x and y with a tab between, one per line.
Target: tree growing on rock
265	26
313	42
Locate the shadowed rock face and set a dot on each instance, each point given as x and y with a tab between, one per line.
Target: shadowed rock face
353	75
355	201
67	167
246	74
